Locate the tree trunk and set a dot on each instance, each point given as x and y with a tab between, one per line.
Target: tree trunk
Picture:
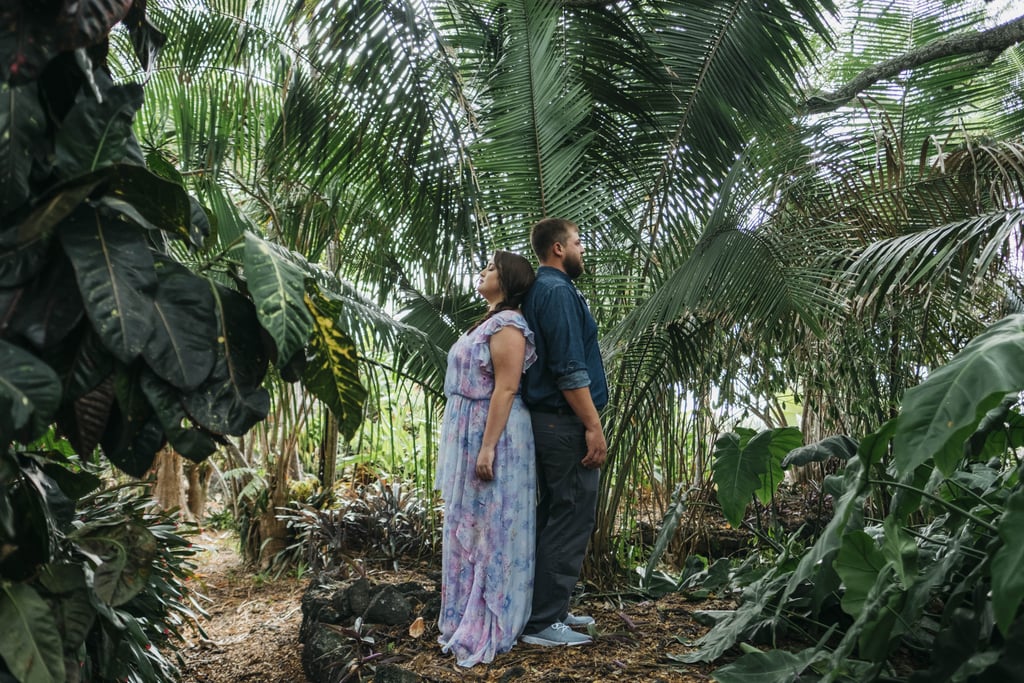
170	490
199	475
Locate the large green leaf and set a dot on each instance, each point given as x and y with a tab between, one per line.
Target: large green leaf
27	386
737	476
332	373
858	564
187	440
231	399
127	552
48	307
153	202
96	133
939	414
115	273
773	666
29	641
1007	577
22	130
277	287
72	607
133	434
772	446
182	348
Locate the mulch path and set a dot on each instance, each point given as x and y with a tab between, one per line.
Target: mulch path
252	634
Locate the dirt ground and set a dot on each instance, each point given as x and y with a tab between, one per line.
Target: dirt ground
253	626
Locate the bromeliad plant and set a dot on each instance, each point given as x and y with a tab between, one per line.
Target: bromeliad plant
119	329
922	556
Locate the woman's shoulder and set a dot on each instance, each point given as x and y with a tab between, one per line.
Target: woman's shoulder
507	318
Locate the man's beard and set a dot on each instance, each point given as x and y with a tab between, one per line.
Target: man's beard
573	268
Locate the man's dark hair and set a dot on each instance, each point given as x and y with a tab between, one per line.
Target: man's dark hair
546	232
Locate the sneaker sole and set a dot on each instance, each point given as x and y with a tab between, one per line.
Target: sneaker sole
534	640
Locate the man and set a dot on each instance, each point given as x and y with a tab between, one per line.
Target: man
565	390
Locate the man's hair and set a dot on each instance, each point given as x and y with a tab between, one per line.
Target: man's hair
547	231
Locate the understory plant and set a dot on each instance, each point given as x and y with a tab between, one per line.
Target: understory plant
917	575
127	321
108	600
382	520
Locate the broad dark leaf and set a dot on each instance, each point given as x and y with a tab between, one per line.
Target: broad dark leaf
74	611
20	264
134	434
231	400
22	135
154	203
36	31
31	645
49	306
183	346
81	361
332	374
186	439
147	40
28	40
96	134
92	412
114	269
87	22
74	484
28	386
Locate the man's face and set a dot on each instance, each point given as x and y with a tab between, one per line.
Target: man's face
572	259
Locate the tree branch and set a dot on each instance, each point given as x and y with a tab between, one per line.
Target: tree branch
990	43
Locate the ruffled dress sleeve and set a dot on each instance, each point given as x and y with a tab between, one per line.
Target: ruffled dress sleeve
490	327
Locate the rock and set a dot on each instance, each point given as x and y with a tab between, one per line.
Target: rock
389	673
388	606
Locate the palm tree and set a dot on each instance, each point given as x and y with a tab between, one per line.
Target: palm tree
398	143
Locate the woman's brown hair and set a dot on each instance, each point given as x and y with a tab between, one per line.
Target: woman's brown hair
515	276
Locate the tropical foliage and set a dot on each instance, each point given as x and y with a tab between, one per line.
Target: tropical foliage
116	333
782	202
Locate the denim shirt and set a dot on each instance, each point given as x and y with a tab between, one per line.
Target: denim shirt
568	356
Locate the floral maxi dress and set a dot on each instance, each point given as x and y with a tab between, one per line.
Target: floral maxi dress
489	526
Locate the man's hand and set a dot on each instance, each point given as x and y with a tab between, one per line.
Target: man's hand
597	449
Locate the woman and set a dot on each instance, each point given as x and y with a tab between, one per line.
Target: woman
487	475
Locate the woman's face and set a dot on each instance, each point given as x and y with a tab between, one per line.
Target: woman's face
489	286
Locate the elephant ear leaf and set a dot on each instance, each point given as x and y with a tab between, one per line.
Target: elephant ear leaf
277	287
1007	578
28	388
737	476
939	414
31	646
332	373
115	274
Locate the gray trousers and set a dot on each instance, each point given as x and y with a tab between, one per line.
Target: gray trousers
566	511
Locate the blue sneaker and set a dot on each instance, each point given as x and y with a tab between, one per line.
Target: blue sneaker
577	620
555	635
